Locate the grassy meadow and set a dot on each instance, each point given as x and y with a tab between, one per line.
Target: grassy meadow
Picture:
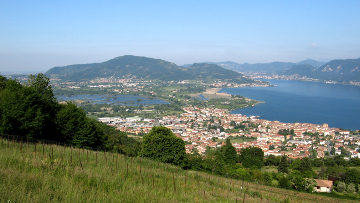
39	172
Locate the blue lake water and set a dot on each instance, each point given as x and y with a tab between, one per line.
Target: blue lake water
304	102
128	100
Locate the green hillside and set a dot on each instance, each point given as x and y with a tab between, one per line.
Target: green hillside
37	172
141	67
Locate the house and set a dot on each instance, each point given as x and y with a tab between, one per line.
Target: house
323	185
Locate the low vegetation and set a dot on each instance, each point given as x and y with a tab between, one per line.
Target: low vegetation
37	172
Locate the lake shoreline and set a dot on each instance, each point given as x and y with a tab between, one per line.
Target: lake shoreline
304	102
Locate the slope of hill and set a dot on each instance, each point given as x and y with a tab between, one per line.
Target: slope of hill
340	70
314	63
39	172
204	70
141	67
301	70
336	70
267	68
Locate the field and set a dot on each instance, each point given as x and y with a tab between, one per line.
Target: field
212	93
37	172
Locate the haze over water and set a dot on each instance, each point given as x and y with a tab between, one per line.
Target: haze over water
304	102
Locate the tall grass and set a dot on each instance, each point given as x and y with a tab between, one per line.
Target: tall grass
64	174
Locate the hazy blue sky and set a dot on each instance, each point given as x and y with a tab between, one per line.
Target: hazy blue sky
38	35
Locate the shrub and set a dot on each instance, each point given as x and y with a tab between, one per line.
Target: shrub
341	187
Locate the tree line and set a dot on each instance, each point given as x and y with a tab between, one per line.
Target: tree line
31	110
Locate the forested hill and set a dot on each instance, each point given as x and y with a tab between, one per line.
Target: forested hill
141	67
267	68
336	70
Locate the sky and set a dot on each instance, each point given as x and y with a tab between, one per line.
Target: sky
38	35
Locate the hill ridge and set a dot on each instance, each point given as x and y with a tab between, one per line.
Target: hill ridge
141	67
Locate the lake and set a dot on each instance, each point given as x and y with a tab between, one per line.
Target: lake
304	102
125	100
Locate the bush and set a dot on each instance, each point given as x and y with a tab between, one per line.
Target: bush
284	183
341	187
351	188
162	145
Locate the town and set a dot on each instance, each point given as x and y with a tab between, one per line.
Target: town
206	128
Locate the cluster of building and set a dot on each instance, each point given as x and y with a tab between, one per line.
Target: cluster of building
193	128
298	77
230	84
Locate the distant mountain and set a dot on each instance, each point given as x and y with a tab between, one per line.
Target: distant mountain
301	70
141	67
267	68
204	70
340	70
336	70
314	63
186	65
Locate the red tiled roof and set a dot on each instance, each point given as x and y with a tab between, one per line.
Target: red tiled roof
324	183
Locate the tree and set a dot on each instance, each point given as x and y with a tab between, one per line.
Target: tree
89	135
322	172
351	188
31	110
305	165
271	147
309	185
318	162
252	156
162	145
69	119
194	162
313	153
267	178
2	82
354	162
341	187
298	182
283	165
28	110
270	161
343	150
41	85
352	176
284	182
340	161
118	141
243	173
230	154
332	151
